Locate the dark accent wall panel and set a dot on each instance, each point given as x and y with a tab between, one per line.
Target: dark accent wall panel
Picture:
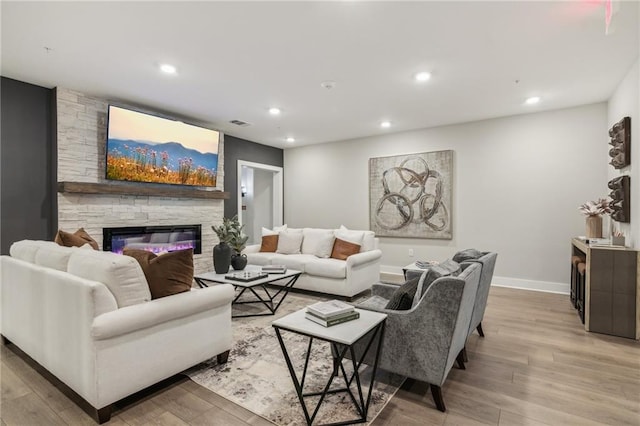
240	149
28	204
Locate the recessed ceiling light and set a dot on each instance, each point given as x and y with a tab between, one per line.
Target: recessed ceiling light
385	124
274	111
532	100
168	68
421	77
290	140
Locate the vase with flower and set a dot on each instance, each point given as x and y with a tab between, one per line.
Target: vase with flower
594	210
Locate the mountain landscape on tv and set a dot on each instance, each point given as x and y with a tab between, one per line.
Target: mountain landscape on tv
167	162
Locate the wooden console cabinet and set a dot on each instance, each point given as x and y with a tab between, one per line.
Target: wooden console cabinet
612	289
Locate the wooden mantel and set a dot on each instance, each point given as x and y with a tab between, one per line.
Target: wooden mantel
150	190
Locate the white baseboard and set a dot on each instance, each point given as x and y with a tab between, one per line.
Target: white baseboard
523	284
545	286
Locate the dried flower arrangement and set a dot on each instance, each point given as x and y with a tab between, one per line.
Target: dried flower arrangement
595	208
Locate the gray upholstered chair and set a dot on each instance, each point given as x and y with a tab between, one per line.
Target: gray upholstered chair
424	342
488	262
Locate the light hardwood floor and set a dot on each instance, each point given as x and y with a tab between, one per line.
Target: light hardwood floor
536	366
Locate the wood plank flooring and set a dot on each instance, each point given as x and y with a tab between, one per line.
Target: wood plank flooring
536	366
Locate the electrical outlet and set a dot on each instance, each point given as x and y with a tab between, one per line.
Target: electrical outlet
410	252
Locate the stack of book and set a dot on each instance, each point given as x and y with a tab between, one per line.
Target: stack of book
331	313
274	269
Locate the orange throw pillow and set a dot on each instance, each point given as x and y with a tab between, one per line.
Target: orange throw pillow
167	274
343	249
77	239
269	244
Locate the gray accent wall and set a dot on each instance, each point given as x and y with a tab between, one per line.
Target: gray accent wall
240	149
27	157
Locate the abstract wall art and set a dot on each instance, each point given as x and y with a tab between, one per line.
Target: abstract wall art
410	195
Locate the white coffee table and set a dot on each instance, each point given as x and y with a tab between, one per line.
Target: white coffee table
342	338
272	302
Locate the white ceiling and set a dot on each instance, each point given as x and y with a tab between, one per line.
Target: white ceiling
236	59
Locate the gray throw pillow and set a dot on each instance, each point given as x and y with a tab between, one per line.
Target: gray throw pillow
402	298
444	269
468	254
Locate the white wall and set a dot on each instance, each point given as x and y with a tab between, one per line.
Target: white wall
518	182
625	102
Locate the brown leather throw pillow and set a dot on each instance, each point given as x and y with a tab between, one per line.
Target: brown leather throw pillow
343	249
269	244
167	274
77	239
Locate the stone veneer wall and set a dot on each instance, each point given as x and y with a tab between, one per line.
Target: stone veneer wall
82	135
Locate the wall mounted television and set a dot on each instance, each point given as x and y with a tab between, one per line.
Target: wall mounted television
146	148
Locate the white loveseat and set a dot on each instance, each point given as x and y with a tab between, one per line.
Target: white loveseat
87	318
323	274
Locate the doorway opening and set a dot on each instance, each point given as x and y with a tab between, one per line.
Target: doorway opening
260	189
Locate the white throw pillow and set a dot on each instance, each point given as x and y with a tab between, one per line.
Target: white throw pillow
318	242
368	239
122	275
355	237
275	231
27	249
55	257
289	242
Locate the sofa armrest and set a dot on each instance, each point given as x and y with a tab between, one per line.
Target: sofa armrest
364	257
384	290
132	318
253	248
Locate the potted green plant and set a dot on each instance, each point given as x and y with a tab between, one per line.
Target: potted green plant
232	242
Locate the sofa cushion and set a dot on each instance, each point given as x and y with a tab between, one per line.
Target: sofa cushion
468	254
343	249
289	242
329	268
77	239
26	249
167	274
402	298
293	261
318	242
122	275
54	256
269	243
260	258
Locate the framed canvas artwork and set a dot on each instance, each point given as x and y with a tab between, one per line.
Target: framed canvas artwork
410	195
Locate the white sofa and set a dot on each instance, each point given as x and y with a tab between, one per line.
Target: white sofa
345	278
87	318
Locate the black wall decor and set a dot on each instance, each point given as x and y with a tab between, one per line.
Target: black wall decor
620	152
620	194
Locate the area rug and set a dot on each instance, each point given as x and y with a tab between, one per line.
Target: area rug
256	376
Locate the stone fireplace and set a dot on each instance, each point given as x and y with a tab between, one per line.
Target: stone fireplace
81	134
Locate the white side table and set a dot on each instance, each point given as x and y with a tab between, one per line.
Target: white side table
342	338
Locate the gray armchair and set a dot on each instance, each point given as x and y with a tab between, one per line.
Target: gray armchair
488	262
424	342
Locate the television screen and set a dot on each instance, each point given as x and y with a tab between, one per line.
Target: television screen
146	148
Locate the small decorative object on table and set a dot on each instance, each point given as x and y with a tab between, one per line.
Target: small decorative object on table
274	269
594	211
425	264
617	239
331	313
246	276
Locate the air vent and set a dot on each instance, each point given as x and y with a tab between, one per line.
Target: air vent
240	123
